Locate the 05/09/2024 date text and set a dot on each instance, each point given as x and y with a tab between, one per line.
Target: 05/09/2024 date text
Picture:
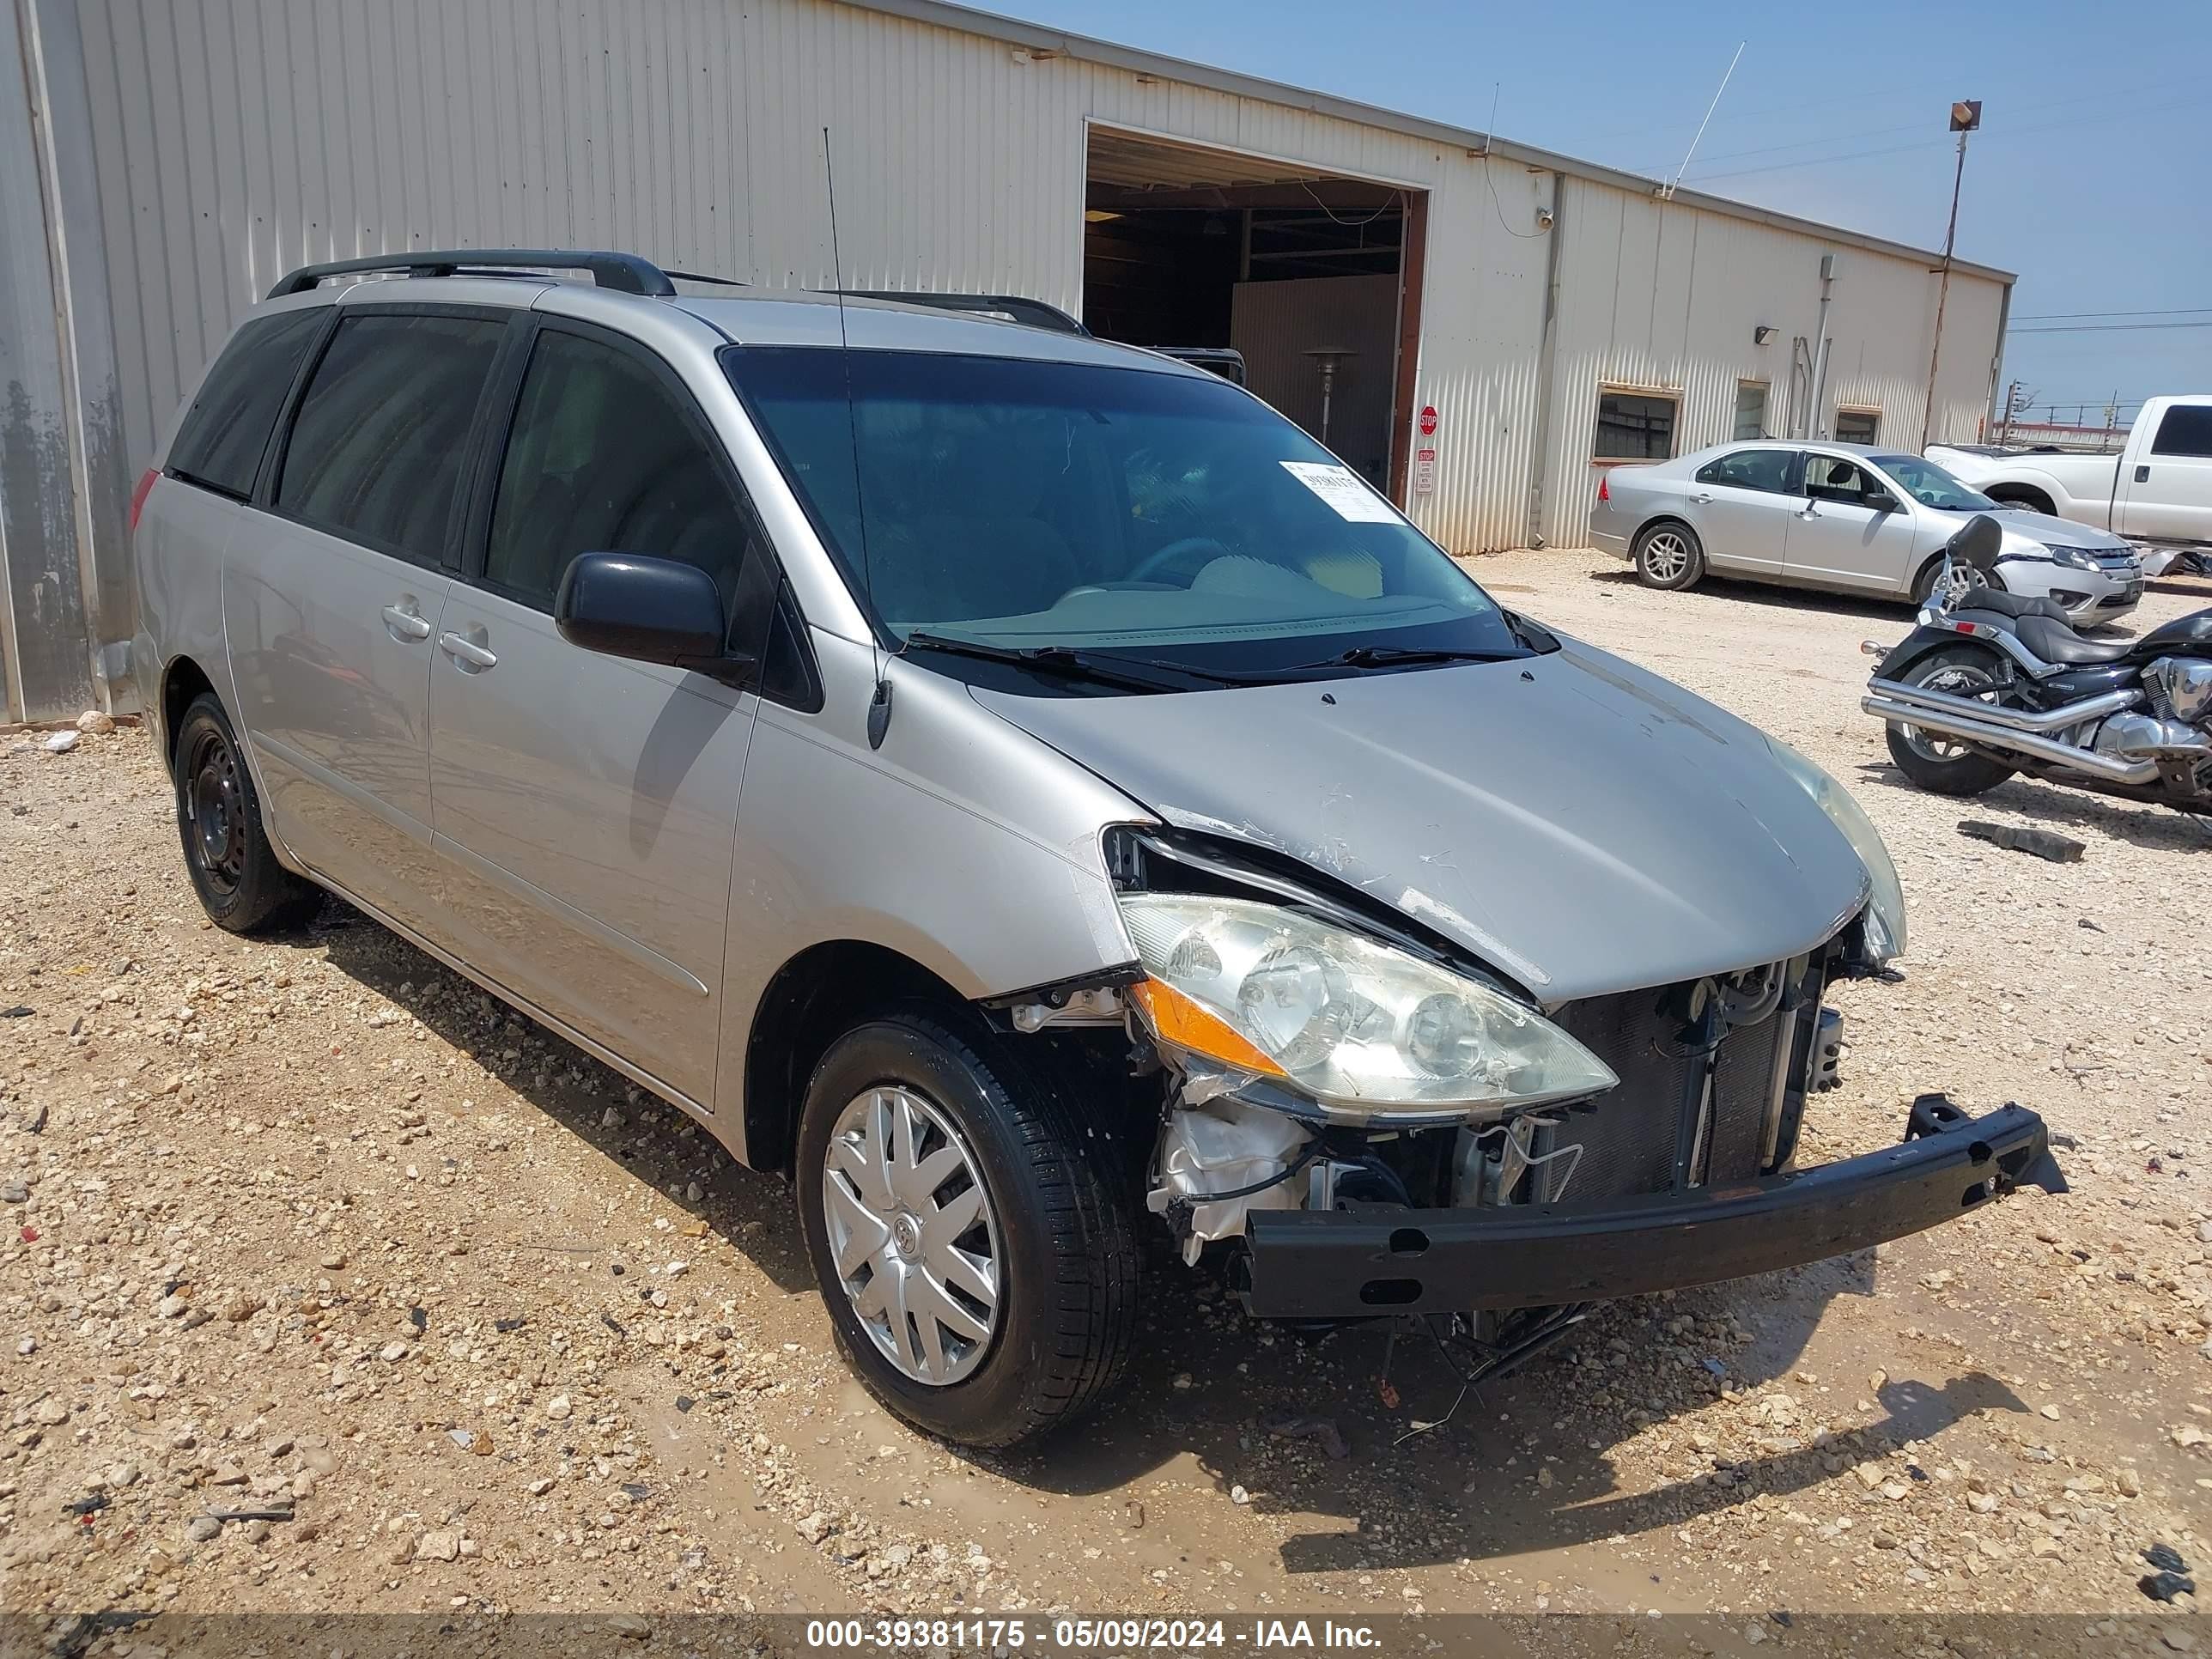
1083	1635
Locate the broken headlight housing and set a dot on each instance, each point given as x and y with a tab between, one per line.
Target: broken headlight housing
1364	1028
1884	911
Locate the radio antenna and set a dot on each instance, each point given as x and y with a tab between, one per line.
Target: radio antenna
879	704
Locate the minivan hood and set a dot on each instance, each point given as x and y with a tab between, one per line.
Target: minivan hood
1582	826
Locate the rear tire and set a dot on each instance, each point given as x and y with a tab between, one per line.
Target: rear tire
1668	555
1050	1243
1941	765
242	884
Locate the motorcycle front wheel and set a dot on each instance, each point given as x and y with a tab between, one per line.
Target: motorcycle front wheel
1945	765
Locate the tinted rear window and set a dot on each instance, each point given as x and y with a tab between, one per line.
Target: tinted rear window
2184	429
376	451
221	441
1771	469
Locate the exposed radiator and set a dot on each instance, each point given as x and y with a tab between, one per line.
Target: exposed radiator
1629	1137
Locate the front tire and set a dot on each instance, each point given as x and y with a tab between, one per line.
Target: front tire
1668	555
1939	765
980	1274
240	883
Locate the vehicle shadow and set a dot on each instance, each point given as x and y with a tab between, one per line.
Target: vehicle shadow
2185	588
1810	599
1240	1401
656	1142
2158	829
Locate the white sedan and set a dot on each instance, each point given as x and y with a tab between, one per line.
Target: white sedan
1849	517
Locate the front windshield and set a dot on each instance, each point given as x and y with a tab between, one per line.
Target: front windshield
1027	504
1931	486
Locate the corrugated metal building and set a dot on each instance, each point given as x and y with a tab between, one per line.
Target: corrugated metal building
163	162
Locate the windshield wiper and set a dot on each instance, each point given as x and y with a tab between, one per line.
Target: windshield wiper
1071	664
1390	656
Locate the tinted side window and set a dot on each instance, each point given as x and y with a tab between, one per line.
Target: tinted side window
220	442
1753	469
376	450
2184	429
1833	478
607	456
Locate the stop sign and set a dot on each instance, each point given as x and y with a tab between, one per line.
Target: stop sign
1428	420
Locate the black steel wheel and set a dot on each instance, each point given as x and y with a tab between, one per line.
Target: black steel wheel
242	884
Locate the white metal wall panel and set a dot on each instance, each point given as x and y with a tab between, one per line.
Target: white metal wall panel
1667	296
236	138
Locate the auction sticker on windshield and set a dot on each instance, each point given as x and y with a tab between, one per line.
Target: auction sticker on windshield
1344	490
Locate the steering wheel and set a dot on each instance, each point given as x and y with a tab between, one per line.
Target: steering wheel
1162	557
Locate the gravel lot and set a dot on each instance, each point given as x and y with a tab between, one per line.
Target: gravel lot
310	1226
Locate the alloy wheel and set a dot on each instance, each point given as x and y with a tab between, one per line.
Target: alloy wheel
911	1229
1666	556
214	811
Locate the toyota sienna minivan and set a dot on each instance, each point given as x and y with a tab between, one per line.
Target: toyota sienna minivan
1024	791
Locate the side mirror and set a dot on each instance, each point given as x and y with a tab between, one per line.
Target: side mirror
647	609
1880	500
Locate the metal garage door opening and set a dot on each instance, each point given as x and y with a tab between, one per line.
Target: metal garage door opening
1313	276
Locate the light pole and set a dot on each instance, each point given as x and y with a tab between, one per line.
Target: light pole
1966	116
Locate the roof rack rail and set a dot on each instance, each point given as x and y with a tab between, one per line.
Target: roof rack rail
624	273
1034	312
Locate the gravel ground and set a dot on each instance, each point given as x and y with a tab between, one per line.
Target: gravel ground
310	1228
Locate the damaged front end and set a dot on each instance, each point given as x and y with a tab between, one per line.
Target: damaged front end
1377	1125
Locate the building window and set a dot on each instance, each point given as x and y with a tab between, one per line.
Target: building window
1636	426
1858	426
1750	410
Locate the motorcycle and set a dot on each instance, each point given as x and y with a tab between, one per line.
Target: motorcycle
1990	684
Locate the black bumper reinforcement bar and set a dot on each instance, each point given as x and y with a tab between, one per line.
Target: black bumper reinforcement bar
1345	1263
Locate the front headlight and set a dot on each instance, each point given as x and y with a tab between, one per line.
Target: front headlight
2074	558
1884	921
1363	1027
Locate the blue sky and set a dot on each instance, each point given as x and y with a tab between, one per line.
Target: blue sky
2092	177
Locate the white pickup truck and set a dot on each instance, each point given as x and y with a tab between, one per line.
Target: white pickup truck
2157	490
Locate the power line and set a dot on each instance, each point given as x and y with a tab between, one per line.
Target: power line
1900	150
1821	161
2110	328
2036	106
2053	316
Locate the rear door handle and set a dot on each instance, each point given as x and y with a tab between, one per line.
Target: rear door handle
1701	501
467	651
403	619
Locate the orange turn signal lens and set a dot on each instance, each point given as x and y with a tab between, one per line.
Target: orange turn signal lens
1181	1022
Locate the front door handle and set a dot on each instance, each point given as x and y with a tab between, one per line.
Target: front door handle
466	651
404	620
2142	475
1810	510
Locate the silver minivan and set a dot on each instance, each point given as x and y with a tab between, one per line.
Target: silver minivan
1024	791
